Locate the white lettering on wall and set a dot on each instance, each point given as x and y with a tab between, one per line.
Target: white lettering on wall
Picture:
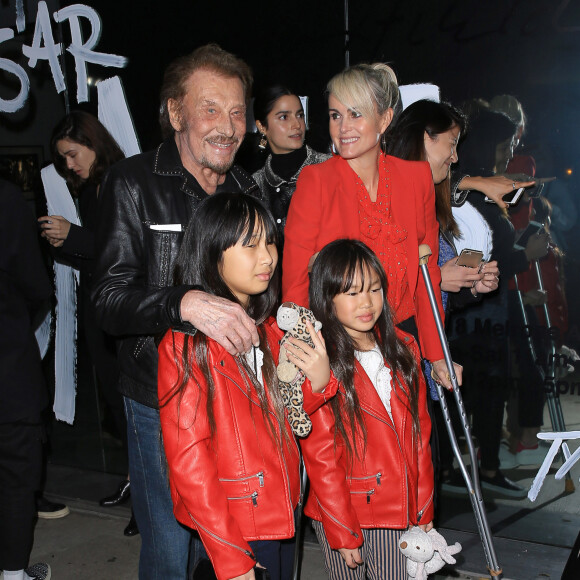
83	52
44	47
13	105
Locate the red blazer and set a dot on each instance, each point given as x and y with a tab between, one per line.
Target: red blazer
238	486
390	487
324	208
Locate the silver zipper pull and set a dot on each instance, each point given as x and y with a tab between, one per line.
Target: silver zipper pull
379	478
261	478
255	498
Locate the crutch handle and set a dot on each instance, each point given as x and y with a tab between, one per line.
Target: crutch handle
424	253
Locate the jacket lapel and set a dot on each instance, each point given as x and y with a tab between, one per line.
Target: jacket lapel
368	397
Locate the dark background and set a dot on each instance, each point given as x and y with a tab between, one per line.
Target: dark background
470	48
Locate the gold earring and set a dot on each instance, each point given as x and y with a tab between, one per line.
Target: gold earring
263	142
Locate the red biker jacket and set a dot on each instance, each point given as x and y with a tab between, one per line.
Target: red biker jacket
238	486
391	486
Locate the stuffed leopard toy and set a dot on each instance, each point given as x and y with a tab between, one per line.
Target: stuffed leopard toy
292	319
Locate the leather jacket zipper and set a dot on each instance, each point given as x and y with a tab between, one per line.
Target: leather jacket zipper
422	510
377	476
402	455
351	532
367	493
253	496
219	539
259	475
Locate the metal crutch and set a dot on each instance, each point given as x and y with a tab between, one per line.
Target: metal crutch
547	374
471	481
303	482
551	365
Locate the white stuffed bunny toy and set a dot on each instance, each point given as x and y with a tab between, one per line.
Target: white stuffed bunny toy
426	552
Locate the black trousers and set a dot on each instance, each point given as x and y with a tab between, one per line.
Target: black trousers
21	457
103	355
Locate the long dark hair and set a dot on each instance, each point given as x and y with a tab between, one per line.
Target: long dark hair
406	139
87	130
218	223
333	273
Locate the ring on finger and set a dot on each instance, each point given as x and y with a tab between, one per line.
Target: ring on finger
514	185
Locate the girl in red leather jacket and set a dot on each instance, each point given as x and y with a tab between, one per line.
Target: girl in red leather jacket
368	455
233	462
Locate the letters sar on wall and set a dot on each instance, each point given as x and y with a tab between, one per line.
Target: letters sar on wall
44	47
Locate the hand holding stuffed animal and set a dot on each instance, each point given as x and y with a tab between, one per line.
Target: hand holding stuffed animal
426	552
292	318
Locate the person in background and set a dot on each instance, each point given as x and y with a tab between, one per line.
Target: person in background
525	415
280	120
430	131
486	151
82	151
493	186
25	288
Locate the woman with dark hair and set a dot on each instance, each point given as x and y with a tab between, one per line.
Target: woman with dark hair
280	120
232	458
485	151
430	131
82	151
361	193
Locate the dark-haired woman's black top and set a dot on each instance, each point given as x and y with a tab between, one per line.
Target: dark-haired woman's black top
277	180
78	250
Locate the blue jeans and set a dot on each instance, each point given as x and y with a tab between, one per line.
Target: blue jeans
165	543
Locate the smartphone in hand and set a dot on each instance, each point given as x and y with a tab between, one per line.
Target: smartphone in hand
470	258
533	228
510	198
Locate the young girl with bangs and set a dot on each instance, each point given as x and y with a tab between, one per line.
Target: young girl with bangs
233	461
368	455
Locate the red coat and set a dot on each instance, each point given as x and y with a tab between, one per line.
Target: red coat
324	208
391	487
239	486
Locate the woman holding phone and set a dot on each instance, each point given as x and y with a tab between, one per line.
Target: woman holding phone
430	131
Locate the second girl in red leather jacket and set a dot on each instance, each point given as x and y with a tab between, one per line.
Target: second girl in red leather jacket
368	455
388	486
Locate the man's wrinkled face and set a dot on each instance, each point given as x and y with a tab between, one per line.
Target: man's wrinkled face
210	124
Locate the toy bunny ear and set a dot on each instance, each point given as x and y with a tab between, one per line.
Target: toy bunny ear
440	544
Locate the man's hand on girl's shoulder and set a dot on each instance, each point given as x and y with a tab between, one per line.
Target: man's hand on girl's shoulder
222	320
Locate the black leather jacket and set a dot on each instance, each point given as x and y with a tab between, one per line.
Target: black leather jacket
145	204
